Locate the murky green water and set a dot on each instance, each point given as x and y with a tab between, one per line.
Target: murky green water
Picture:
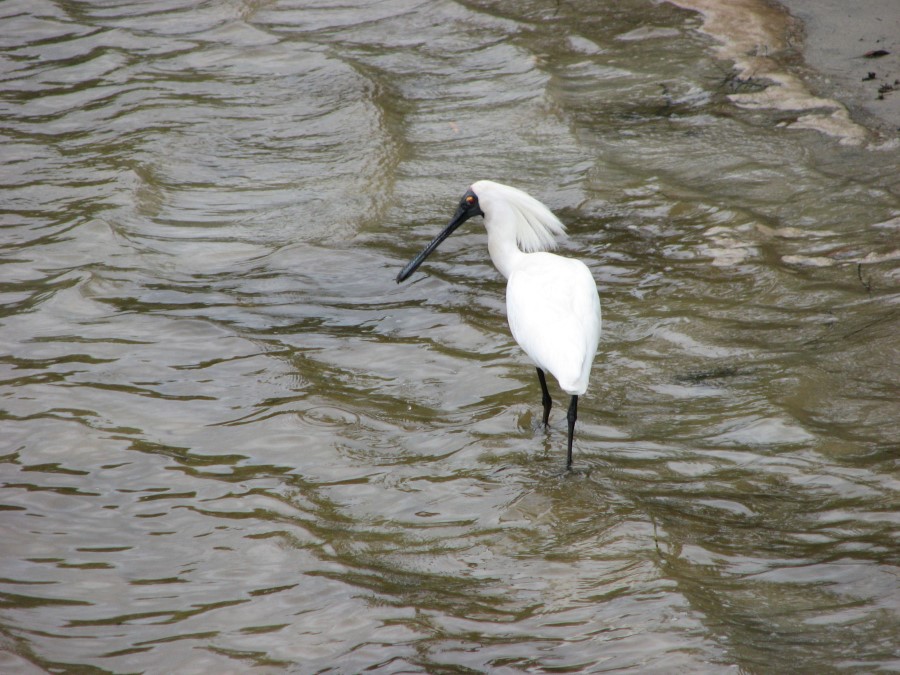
231	443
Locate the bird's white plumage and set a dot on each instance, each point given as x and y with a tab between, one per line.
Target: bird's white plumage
535	226
554	314
551	302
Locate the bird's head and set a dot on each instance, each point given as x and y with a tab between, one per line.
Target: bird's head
510	212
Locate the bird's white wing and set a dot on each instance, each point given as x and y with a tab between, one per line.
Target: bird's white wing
554	314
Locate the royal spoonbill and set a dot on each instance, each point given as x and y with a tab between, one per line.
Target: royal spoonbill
552	303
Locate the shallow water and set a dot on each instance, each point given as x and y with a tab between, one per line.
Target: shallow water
231	443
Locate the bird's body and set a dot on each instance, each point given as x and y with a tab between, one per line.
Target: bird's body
558	328
551	302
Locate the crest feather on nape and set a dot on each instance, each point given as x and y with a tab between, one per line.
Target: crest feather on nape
536	226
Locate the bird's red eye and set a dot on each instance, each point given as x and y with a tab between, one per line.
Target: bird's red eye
470	200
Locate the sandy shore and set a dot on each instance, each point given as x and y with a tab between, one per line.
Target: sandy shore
838	35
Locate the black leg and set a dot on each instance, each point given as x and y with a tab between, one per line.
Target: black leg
572	415
546	400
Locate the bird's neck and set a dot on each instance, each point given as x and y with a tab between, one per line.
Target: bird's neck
505	254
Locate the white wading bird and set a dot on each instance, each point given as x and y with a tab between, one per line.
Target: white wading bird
551	302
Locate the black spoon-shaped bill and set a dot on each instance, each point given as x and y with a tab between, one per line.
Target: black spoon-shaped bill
468	207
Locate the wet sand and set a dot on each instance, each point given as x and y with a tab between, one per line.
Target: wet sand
849	77
838	36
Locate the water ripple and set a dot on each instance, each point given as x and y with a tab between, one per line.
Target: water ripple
232	441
